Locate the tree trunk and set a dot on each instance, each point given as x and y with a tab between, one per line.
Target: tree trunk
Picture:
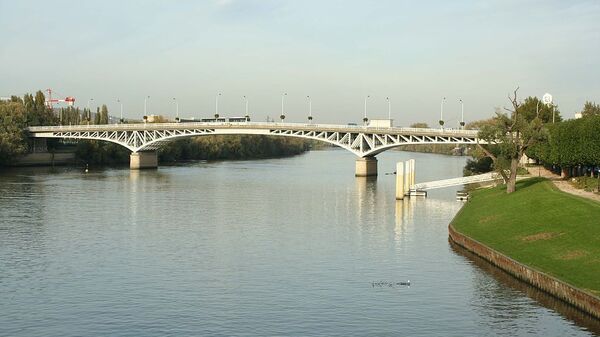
512	179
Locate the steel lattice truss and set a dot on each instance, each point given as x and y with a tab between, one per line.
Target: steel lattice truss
362	141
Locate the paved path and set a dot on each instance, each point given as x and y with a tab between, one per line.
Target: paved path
562	185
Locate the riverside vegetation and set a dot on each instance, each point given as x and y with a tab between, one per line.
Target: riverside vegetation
18	113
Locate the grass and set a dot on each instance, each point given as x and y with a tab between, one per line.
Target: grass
540	226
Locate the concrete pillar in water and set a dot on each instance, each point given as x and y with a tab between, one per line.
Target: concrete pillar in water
407	177
412	172
143	160
400	181
366	167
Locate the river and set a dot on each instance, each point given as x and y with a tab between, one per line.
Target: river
280	247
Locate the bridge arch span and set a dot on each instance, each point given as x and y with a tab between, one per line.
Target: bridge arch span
157	143
363	141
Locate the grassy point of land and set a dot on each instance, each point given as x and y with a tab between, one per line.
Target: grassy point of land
540	226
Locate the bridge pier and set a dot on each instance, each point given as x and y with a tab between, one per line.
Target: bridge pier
366	167
143	160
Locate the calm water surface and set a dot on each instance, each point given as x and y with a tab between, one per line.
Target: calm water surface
282	247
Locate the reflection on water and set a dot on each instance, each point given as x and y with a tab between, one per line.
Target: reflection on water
270	247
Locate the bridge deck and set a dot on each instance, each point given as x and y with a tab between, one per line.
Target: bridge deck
252	125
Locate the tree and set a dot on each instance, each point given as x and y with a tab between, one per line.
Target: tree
104	114
36	110
533	107
13	141
97	116
590	109
420	125
513	134
476	125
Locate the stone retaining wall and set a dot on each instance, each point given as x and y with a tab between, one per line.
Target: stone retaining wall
574	296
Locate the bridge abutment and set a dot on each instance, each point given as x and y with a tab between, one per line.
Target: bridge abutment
366	167
143	160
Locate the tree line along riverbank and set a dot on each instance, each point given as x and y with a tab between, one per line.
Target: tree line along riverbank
18	113
539	226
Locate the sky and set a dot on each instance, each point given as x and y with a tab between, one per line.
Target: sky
337	52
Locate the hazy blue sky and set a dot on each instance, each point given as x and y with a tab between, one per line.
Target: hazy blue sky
337	52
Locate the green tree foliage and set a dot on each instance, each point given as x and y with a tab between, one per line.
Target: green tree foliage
421	125
97	116
103	114
232	147
70	116
512	135
101	153
590	109
198	148
476	125
37	111
478	166
571	143
533	107
13	140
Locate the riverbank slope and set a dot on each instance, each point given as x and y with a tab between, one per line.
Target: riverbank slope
539	226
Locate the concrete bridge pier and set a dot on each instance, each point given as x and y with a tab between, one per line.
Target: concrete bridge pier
366	167
143	160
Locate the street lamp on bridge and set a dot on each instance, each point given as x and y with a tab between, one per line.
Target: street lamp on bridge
442	112
389	108
146	107
282	116
247	115
217	106
462	114
121	104
310	118
365	119
176	109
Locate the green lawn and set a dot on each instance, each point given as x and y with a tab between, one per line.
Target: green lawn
540	226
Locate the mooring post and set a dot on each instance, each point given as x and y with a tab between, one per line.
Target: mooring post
412	172
400	181
407	177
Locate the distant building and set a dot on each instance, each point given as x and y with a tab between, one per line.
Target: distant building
578	115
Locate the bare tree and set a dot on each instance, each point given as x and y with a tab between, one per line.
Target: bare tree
512	134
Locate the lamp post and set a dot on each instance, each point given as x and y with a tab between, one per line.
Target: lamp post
389	108
462	114
365	119
217	106
121	104
310	118
146	105
547	99
442	112
89	116
247	115
176	109
282	116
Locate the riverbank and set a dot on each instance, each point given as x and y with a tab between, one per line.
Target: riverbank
539	234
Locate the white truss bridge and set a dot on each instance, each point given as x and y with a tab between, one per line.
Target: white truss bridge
363	141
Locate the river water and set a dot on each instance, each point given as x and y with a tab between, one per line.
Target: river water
282	247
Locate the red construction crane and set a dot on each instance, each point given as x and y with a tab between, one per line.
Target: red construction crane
49	100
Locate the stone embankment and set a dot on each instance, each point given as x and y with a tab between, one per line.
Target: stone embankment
572	295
